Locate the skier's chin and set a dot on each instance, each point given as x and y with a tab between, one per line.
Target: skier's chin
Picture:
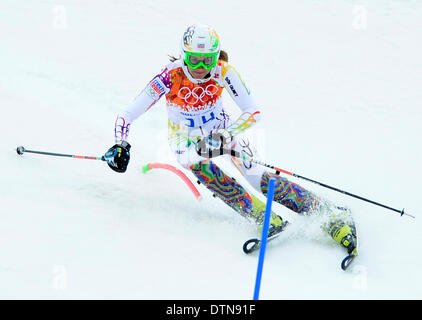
199	73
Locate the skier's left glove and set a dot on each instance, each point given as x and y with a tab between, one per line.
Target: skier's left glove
213	144
118	156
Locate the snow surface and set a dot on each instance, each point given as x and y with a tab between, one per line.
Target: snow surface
339	83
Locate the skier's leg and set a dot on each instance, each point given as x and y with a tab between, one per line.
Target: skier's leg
287	193
219	183
231	192
290	194
338	222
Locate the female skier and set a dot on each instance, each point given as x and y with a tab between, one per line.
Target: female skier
193	85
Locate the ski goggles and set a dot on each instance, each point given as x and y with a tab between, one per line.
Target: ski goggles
205	60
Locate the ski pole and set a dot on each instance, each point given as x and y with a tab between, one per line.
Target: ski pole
237	154
21	150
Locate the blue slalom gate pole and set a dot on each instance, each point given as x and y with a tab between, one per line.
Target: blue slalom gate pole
266	226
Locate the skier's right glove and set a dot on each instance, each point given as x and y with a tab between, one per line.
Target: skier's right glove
118	156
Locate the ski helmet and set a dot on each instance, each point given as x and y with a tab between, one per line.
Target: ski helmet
200	46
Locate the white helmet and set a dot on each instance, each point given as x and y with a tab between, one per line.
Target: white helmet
200	40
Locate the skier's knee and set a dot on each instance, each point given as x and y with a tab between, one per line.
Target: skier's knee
290	194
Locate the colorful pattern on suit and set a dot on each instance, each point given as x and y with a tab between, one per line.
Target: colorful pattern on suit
290	194
224	187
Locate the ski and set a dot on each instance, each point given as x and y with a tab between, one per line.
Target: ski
252	245
348	260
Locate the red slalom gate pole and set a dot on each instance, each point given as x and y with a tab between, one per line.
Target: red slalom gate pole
173	169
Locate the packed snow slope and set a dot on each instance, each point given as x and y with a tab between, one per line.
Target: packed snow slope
339	83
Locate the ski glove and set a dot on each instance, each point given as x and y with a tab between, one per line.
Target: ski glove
118	156
213	144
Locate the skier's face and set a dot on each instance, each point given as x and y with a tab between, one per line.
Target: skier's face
198	73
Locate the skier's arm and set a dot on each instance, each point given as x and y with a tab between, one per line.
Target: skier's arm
241	95
155	89
118	155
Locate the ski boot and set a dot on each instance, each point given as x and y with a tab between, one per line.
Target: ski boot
277	224
342	229
345	235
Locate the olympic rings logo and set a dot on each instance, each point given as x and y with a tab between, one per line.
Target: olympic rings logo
197	93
